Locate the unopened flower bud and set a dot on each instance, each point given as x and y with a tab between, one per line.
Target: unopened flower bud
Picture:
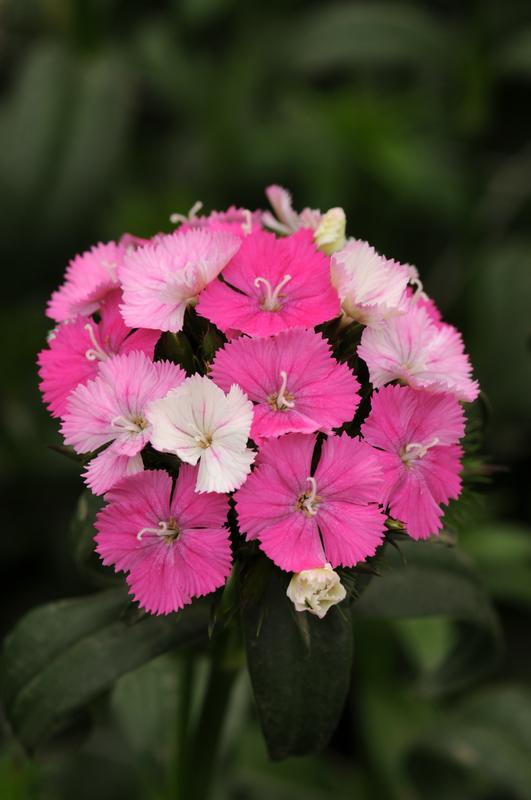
316	590
330	234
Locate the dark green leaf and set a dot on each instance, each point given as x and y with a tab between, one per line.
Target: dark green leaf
299	666
62	655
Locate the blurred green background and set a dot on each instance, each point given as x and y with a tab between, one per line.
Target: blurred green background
415	117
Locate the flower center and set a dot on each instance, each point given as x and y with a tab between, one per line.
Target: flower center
281	400
135	424
96	352
167	529
271	297
204	440
308	502
415	450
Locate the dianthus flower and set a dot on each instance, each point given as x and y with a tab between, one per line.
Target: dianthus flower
415	349
238	221
77	348
287	220
172	544
271	285
89	277
416	434
165	276
292	377
111	410
200	423
304	520
371	288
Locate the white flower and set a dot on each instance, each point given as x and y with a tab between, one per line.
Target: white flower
330	235
199	422
316	590
371	288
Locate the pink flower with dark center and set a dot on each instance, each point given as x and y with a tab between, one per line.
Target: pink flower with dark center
292	378
271	285
304	520
111	410
416	434
415	349
89	277
77	348
163	278
173	546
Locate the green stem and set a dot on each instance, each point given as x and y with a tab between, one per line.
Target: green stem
182	737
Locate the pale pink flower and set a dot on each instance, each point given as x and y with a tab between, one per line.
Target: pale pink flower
304	520
238	221
88	279
200	423
292	378
287	220
76	349
163	278
111	410
416	350
271	285
416	434
172	545
371	288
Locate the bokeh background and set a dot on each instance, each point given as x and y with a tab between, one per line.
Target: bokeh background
413	116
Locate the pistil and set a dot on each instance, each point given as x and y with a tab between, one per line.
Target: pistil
95	353
271	298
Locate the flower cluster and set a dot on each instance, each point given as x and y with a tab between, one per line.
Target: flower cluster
287	324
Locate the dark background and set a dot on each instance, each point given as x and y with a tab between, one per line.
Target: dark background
415	117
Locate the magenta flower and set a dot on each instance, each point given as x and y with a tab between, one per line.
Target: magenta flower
416	434
271	285
415	349
77	348
111	410
165	276
174	546
88	279
304	520
292	378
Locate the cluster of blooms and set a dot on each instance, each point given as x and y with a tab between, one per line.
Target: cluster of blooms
271	416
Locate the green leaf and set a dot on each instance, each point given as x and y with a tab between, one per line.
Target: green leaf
82	533
431	579
62	655
299	667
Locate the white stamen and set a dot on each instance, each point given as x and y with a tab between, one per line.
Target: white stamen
247	226
281	399
162	530
95	353
308	502
271	300
419	290
415	450
176	219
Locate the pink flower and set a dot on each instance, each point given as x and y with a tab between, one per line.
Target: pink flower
172	545
89	277
111	410
416	433
200	423
271	285
416	350
165	276
371	288
238	221
304	520
77	348
287	220
296	384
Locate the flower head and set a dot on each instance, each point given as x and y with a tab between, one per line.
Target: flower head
304	520
165	276
316	590
416	434
89	277
371	288
287	220
296	384
111	410
238	221
200	423
416	350
271	285
78	347
172	544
